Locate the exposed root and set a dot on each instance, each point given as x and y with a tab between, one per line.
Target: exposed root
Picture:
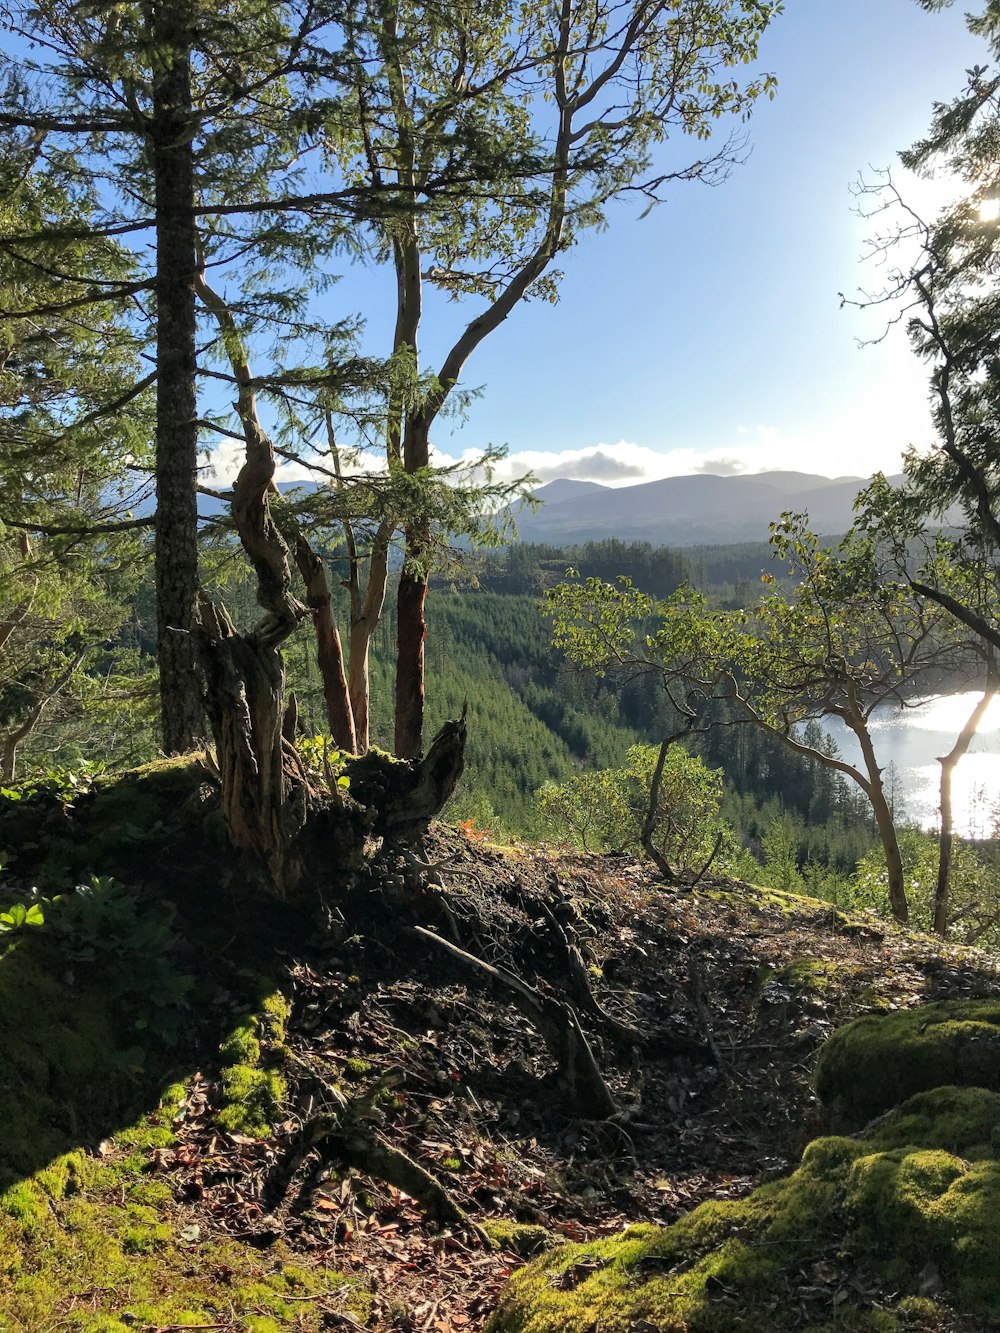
558	1026
565	937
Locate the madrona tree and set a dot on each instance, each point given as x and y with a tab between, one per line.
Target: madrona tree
841	638
941	284
551	113
456	200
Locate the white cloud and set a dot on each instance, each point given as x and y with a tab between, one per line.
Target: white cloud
838	450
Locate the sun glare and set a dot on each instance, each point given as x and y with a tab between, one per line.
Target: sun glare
989	210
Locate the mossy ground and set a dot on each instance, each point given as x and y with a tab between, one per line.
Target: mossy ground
92	1239
97	1244
100	1188
920	1188
93	1062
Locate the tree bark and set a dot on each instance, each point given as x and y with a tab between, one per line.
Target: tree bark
176	464
885	824
948	764
411	632
266	795
329	651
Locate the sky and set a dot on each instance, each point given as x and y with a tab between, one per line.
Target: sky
709	336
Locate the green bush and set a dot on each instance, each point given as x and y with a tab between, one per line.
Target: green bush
604	811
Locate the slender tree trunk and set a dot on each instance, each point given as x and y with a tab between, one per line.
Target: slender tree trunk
366	614
329	651
884	822
357	681
948	764
411	632
411	599
176	407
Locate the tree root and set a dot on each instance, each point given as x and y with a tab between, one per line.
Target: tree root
347	1128
558	1026
565	936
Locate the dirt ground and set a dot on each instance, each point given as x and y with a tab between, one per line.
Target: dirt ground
709	1008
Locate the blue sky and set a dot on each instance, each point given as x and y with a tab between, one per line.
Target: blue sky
709	335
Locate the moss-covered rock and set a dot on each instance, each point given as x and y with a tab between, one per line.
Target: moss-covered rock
921	1187
253	1086
878	1061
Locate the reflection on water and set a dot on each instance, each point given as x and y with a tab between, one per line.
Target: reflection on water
911	740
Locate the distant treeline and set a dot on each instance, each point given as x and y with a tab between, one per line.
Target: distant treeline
730	573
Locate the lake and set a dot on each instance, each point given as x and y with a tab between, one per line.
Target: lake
912	738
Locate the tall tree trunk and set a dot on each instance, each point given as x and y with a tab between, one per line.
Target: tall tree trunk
411	631
411	598
329	650
176	406
948	764
366	613
358	682
884	822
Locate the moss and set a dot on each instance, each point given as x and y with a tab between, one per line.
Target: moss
72	1257
253	1087
62	1075
356	1068
878	1061
525	1239
816	975
898	1202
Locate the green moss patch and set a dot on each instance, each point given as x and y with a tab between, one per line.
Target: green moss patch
98	1246
876	1062
253	1086
919	1188
113	828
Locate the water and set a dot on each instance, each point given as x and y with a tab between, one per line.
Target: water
912	738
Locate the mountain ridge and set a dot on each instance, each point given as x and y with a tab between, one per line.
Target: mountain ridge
689	510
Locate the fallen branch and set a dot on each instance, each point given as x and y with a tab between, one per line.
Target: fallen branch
579	977
558	1026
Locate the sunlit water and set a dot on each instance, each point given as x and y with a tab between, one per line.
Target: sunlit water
911	740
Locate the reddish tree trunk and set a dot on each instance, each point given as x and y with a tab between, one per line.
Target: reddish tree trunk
329	651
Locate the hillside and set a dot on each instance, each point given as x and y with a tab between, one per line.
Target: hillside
688	511
226	1114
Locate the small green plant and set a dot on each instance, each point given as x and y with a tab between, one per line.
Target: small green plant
323	759
605	810
107	926
17	917
57	784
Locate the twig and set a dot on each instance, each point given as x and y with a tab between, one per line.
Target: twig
707	866
697	992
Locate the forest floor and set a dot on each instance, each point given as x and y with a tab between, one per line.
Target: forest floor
731	989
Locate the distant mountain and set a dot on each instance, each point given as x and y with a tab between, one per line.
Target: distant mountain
566	488
689	511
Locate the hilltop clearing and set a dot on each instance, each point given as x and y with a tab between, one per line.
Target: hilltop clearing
220	1112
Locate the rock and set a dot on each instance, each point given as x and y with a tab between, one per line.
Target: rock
878	1061
915	1197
